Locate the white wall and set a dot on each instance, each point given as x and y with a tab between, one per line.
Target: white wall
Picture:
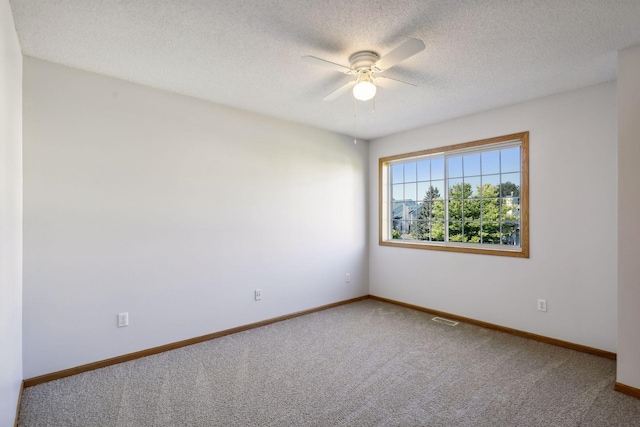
174	210
10	216
573	232
628	216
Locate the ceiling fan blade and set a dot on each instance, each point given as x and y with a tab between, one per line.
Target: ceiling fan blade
399	54
341	90
326	64
389	83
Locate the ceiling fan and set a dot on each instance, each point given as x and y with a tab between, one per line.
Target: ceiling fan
365	66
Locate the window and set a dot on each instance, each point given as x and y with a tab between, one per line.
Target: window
471	197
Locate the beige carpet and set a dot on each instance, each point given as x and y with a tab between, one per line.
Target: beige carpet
364	364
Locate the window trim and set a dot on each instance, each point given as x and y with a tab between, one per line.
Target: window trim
500	250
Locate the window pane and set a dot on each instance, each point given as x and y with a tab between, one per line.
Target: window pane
490	232
491	209
490	162
491	179
474	186
412	210
397	174
398	210
410	229
437	168
404	229
510	233
422	211
421	231
516	208
423	188
395	234
438	189
455	209
510	183
437	231
471	164
410	172
425	211
433	193
424	170
437	210
455	231
510	159
510	208
471	209
490	191
454	166
471	232
404	210
397	192
455	188
410	191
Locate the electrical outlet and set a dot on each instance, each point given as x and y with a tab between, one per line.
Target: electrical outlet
258	294
347	278
542	305
123	320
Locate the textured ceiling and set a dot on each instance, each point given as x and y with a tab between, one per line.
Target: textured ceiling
479	54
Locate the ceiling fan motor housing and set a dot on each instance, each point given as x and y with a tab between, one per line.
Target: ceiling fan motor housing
363	59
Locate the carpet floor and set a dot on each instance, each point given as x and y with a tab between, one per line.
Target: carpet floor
367	363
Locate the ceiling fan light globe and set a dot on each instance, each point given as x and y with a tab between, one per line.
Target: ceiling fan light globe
364	91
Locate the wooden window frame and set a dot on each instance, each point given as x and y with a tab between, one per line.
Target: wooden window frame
479	248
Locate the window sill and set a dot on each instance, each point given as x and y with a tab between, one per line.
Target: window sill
472	248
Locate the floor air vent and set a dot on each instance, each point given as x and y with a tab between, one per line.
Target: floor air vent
445	321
